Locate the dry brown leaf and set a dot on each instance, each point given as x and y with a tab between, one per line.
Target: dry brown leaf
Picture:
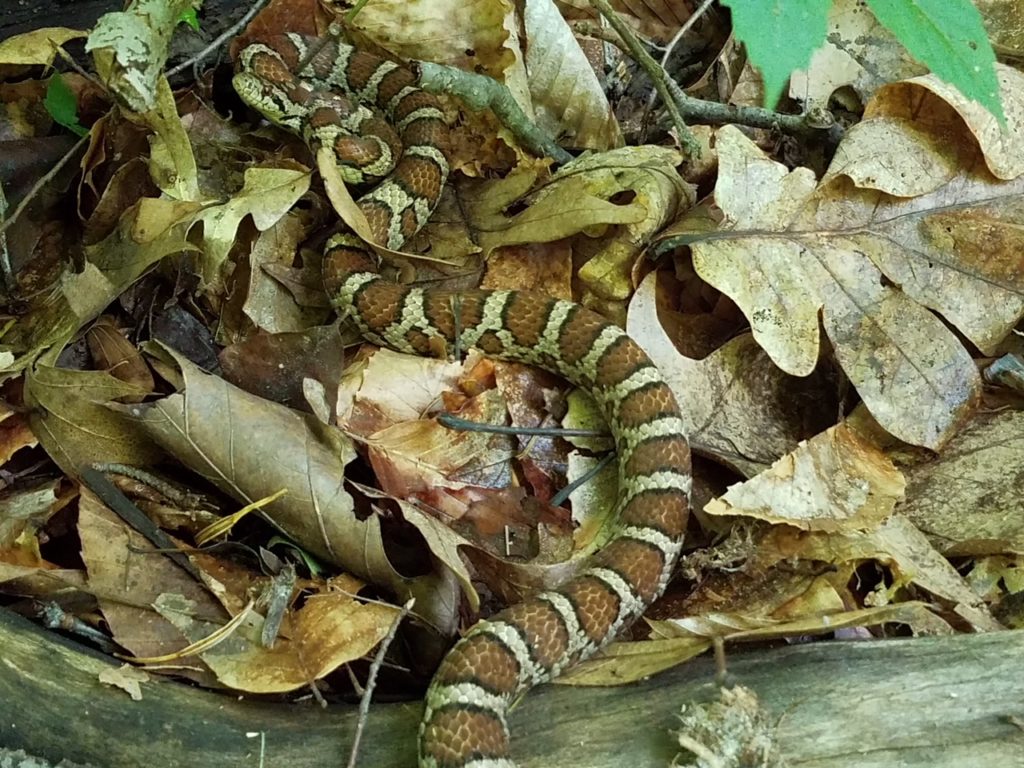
988	573
126	677
896	544
568	99
1001	144
113	353
679	641
38	46
275	366
471	37
481	37
146	233
968	499
833	482
626	662
789	251
744	585
23	513
444	544
858	52
72	423
269	305
330	629
444	468
533	397
267	196
396	388
127	580
15	432
583	196
1002	20
733	627
919	134
251	448
736	404
656	19
593	502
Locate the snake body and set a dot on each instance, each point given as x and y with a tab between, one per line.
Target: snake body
465	719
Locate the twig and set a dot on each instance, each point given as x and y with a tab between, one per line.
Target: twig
6	268
480	92
454	422
350	15
218	41
371	681
658	76
171	493
42	182
55	617
68	59
564	494
713	112
755	117
687	25
121	505
586	28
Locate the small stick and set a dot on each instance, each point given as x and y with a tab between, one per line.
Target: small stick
6	268
562	495
465	425
371	681
42	182
122	506
219	41
658	76
481	92
683	30
161	486
715	113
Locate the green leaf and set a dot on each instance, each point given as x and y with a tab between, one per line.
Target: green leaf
949	38
62	105
780	36
189	17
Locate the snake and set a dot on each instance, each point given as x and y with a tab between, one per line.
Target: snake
338	96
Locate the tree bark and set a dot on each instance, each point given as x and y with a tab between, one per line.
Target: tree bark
937	702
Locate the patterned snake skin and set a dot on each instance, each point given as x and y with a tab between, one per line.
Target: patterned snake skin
465	722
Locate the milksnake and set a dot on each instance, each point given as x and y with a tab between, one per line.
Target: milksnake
339	100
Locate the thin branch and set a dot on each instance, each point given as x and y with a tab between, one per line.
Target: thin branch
756	117
480	92
219	40
123	507
371	681
658	75
687	25
170	492
682	107
465	425
587	28
6	267
587	476
42	182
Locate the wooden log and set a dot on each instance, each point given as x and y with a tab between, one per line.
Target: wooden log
938	702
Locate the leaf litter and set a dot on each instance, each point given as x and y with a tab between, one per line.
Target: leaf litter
857	483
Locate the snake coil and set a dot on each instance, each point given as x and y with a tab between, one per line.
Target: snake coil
382	125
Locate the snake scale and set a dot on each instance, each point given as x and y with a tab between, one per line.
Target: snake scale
348	99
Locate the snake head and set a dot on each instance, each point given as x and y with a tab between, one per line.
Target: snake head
273	100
